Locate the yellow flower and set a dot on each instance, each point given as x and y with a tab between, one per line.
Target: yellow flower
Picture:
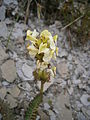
55	38
57	51
47	56
41	65
43	48
45	34
32	50
32	36
52	44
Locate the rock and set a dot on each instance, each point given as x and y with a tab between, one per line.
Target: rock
62	104
1	117
14	91
63	53
11	101
46	106
25	86
3	55
9	71
8	2
3	92
52	115
81	116
43	116
3	30
62	69
17	33
28	71
5	83
70	90
85	99
2	13
46	85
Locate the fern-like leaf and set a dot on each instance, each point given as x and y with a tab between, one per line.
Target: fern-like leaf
31	113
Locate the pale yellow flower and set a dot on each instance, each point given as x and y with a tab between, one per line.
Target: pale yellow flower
55	38
43	48
32	50
57	51
45	34
52	44
48	56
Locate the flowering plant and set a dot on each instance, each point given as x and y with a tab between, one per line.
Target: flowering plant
43	47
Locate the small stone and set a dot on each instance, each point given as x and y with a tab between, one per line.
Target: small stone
46	106
9	71
62	104
3	92
81	116
28	71
42	114
17	33
11	101
14	91
3	55
3	30
8	2
62	69
25	86
70	90
52	115
2	13
85	99
5	83
63	53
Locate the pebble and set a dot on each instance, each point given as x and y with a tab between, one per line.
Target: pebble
62	69
11	101
3	92
14	91
9	71
85	99
25	86
2	13
46	106
3	55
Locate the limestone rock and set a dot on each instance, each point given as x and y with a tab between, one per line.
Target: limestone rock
9	71
25	86
3	92
3	30
62	69
2	13
3	55
85	99
62	104
27	71
11	101
14	91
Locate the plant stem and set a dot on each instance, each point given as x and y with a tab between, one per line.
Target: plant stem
41	90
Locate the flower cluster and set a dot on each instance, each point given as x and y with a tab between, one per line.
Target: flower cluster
43	48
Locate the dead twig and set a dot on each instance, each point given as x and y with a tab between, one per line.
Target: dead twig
72	22
27	11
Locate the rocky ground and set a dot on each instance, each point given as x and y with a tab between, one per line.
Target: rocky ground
67	97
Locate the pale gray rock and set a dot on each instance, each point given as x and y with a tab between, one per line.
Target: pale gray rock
62	69
3	55
46	106
85	99
25	86
63	53
14	91
11	101
28	71
2	13
3	30
8	2
9	71
81	116
52	115
62	104
42	114
5	83
3	92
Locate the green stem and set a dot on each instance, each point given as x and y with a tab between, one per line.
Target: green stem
41	90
